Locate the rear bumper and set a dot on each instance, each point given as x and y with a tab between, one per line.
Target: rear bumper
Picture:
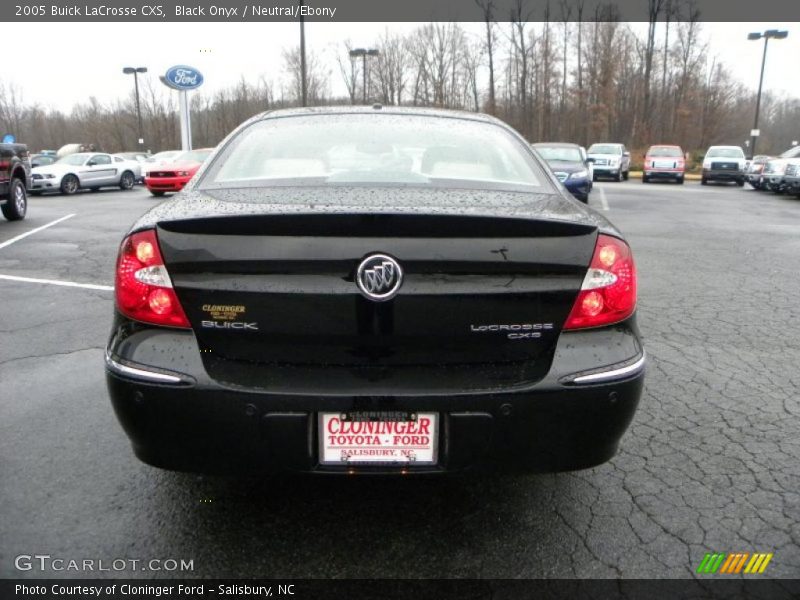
166	184
178	418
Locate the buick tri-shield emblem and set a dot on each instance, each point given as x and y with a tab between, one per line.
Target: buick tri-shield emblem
379	277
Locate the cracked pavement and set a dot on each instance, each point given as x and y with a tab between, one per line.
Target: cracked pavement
711	462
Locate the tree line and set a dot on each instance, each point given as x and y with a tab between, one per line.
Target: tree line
553	72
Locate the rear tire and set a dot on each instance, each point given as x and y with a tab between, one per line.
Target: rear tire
157	194
70	185
17	204
645	179
618	177
680	180
740	182
704	181
626	175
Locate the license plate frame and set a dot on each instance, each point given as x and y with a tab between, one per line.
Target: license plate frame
386	453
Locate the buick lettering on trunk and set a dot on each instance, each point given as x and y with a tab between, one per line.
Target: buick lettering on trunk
326	295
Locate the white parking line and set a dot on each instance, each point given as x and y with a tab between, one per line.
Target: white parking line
32	231
86	286
603	200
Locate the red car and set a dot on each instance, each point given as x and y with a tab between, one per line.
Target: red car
173	176
664	162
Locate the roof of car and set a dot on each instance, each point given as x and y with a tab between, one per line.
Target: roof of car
373	109
664	146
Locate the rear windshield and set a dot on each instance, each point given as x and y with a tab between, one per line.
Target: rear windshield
665	151
559	153
725	153
369	149
604	149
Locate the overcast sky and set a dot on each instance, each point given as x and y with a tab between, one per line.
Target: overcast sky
66	64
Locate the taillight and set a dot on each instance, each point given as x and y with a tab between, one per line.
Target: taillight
142	286
608	293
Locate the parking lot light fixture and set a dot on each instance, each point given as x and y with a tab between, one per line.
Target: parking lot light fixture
363	53
135	72
767	35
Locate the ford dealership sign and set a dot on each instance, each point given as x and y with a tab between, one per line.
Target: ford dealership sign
182	77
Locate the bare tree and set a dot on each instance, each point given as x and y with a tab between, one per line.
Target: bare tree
349	70
317	80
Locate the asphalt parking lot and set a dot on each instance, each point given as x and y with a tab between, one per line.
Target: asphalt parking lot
711	462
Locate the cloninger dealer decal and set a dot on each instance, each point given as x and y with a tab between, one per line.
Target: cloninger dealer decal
223	316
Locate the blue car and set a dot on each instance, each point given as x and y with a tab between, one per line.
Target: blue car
568	163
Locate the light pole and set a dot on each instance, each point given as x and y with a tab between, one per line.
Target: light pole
769	33
136	71
364	53
303	80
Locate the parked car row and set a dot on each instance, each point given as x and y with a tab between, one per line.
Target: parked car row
73	168
577	169
779	174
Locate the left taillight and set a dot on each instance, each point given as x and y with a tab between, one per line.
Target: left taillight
143	287
608	292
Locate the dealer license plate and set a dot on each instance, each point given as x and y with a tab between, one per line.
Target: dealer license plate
373	438
664	164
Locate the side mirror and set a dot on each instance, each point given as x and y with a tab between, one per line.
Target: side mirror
590	160
626	153
91	163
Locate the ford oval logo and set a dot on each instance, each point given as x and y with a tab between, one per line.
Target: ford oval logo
379	277
182	77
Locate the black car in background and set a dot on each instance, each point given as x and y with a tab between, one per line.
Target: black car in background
570	166
374	290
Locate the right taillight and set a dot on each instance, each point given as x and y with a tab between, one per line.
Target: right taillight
143	287
608	293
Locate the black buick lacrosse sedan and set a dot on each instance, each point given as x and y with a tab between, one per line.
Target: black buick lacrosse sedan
374	290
